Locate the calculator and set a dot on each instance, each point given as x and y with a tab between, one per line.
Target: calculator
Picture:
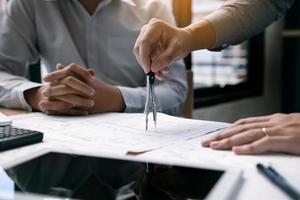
12	137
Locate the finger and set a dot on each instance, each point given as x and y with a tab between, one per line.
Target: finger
68	71
252	120
164	60
234	130
136	51
66	74
61	90
71	112
92	72
136	48
54	83
78	85
54	105
59	66
266	144
80	71
77	101
144	54
238	140
148	42
165	70
57	75
159	75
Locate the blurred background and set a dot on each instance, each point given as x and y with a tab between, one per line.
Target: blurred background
258	77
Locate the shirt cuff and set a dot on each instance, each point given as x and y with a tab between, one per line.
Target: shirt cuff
20	92
134	99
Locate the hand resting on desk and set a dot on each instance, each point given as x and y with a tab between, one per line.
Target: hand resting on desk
257	135
74	90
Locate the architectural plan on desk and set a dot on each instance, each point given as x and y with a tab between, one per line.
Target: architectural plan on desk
120	132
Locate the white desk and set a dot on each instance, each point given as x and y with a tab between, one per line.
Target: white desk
254	186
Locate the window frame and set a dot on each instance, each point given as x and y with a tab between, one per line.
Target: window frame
253	86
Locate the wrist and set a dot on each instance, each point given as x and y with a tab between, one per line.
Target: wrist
33	97
118	103
107	98
188	39
202	35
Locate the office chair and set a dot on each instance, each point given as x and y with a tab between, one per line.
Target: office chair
34	72
187	110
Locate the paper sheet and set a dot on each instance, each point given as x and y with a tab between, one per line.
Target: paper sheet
185	148
119	131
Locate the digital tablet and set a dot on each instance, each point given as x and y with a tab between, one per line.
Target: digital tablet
69	176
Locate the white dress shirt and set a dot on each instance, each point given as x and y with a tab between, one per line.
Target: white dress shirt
62	31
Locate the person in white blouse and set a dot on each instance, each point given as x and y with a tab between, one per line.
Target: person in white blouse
159	43
1	3
86	48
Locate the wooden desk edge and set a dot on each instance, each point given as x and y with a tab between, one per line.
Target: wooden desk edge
10	112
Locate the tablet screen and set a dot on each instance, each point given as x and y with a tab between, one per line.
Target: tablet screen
82	177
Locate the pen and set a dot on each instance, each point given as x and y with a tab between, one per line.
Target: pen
279	181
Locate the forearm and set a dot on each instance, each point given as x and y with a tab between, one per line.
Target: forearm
115	101
12	90
203	35
239	20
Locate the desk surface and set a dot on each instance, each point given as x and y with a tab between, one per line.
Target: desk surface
254	186
10	112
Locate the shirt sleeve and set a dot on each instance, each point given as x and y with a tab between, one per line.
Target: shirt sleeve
17	50
238	20
170	92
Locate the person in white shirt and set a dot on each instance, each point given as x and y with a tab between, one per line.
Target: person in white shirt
1	3
86	46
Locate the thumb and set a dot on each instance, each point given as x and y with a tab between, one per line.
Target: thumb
92	72
59	66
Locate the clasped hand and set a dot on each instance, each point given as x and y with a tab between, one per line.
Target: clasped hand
74	90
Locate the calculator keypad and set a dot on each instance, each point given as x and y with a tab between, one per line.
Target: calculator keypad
13	137
8	132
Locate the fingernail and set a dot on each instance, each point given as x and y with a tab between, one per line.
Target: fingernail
45	78
45	93
92	77
205	143
92	92
59	66
214	145
91	103
155	67
237	150
146	69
